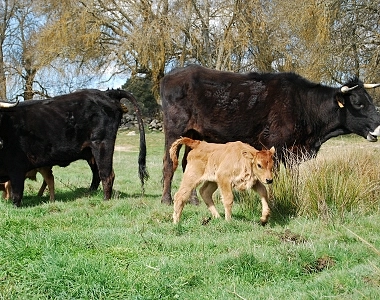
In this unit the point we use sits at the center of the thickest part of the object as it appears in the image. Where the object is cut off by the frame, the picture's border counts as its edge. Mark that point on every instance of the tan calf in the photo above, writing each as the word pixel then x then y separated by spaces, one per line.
pixel 47 175
pixel 234 165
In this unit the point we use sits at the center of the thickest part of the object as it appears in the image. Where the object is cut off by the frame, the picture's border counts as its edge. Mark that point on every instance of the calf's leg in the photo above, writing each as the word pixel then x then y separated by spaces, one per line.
pixel 189 182
pixel 193 196
pixel 180 199
pixel 206 191
pixel 47 174
pixel 262 191
pixel 7 190
pixel 42 189
pixel 227 197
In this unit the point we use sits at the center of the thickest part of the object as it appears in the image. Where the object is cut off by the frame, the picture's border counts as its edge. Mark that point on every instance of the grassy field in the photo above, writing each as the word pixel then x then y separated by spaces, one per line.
pixel 322 241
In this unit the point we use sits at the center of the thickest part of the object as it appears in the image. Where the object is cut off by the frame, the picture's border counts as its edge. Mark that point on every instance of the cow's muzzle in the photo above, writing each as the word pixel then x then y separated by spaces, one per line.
pixel 371 138
pixel 269 181
pixel 372 135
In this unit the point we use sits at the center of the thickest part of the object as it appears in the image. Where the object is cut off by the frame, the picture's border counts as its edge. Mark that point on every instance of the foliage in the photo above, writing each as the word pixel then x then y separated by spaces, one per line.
pixel 81 247
pixel 141 88
pixel 326 41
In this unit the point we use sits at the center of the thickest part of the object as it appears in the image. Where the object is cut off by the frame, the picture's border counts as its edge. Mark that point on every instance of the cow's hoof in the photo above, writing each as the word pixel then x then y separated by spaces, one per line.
pixel 167 201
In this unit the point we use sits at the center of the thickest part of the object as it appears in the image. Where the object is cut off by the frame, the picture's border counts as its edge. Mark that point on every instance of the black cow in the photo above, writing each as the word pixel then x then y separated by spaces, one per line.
pixel 282 110
pixel 63 129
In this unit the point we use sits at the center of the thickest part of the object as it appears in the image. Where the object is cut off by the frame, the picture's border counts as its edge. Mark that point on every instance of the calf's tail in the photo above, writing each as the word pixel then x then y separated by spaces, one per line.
pixel 119 94
pixel 174 151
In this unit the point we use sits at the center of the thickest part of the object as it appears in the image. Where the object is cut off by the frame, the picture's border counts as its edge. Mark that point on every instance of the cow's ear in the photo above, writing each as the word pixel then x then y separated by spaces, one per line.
pixel 247 154
pixel 340 101
pixel 272 150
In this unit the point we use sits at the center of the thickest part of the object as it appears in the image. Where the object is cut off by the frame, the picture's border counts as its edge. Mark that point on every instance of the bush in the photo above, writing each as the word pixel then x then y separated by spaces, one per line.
pixel 328 186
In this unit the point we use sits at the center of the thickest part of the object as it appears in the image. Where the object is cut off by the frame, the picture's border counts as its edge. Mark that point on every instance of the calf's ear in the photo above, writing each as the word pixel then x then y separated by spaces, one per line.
pixel 272 150
pixel 247 154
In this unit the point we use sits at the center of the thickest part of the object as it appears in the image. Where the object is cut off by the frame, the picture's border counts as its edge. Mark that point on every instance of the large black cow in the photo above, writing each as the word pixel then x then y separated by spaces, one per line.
pixel 60 130
pixel 282 110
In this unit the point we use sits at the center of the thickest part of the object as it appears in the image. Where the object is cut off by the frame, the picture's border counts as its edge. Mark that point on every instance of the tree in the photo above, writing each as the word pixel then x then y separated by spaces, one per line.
pixel 322 40
pixel 7 10
pixel 330 40
pixel 19 60
pixel 141 88
pixel 152 36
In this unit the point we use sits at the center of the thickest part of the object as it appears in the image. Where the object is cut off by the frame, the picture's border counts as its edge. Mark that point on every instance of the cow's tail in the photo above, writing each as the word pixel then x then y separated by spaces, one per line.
pixel 174 151
pixel 119 94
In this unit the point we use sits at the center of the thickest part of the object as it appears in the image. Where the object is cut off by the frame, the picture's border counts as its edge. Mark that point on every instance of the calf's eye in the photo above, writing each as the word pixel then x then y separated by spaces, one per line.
pixel 259 166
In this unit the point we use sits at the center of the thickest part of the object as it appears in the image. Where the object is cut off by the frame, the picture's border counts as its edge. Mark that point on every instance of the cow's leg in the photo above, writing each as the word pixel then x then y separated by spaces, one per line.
pixel 103 155
pixel 167 172
pixel 95 174
pixel 262 191
pixel 206 191
pixel 107 183
pixel 227 197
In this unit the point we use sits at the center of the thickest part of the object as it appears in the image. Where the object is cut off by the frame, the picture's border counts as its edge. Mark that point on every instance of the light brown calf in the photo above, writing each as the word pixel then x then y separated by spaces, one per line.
pixel 234 165
pixel 47 175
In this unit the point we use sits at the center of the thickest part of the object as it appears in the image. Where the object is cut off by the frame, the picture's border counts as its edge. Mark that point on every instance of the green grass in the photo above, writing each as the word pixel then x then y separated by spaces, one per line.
pixel 82 247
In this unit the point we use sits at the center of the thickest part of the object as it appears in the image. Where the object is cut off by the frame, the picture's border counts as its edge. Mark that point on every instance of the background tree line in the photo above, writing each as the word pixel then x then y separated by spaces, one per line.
pixel 50 47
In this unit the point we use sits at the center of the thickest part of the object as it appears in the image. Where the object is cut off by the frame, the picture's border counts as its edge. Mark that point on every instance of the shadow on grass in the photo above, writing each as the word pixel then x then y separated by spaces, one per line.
pixel 275 218
pixel 118 194
pixel 66 196
pixel 72 195
pixel 282 214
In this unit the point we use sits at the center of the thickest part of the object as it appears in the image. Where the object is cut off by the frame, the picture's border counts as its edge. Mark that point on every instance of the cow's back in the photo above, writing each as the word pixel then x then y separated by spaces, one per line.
pixel 57 130
pixel 221 106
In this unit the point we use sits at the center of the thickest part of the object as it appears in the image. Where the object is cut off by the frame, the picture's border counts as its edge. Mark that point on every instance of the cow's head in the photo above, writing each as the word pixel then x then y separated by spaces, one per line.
pixel 5 105
pixel 262 164
pixel 360 115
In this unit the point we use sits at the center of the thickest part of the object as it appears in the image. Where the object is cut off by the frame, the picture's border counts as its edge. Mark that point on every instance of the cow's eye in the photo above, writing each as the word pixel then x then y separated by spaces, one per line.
pixel 259 166
pixel 357 104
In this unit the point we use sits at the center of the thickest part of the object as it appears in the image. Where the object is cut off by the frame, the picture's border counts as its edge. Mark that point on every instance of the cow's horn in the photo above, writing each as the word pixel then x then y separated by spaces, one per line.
pixel 371 85
pixel 345 89
pixel 8 104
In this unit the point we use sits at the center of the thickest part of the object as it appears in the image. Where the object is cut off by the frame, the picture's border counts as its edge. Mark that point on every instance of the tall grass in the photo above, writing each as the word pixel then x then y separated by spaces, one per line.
pixel 338 181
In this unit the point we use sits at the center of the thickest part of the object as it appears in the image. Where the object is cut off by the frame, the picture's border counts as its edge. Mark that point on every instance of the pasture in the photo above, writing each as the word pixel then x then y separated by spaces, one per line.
pixel 322 240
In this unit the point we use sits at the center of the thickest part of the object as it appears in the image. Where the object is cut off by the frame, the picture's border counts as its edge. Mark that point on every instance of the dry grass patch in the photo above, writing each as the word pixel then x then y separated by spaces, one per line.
pixel 337 181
